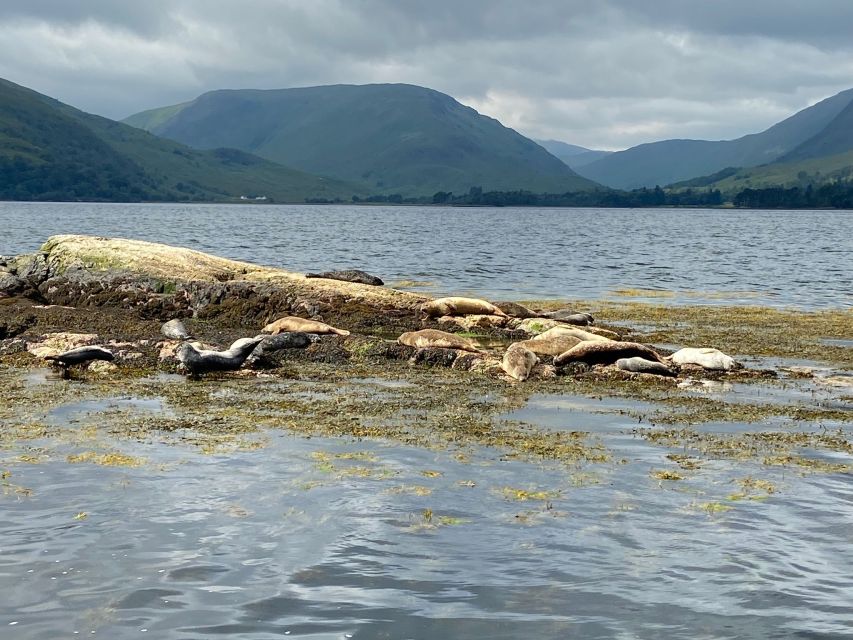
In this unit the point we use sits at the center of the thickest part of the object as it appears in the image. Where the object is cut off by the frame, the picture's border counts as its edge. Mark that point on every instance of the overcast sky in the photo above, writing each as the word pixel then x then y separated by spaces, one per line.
pixel 603 74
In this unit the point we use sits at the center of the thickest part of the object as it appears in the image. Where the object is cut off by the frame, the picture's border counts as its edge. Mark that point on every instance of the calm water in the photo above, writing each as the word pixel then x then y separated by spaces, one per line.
pixel 785 258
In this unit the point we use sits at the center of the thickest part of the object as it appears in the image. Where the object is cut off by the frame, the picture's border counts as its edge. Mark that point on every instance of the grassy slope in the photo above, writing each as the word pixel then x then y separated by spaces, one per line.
pixel 393 138
pixel 787 174
pixel 69 153
pixel 669 161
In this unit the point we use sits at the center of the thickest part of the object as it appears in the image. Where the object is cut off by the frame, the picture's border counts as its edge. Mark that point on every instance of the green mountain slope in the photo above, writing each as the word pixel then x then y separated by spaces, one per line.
pixel 668 161
pixel 836 138
pixel 392 138
pixel 571 154
pixel 51 151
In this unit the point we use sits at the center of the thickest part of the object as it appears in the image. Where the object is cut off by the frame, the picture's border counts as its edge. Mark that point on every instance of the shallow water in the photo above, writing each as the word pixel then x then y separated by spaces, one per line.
pixel 780 258
pixel 331 538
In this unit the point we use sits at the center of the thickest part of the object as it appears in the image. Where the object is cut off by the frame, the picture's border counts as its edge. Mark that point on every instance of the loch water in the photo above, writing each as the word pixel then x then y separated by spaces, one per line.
pixel 717 256
pixel 265 542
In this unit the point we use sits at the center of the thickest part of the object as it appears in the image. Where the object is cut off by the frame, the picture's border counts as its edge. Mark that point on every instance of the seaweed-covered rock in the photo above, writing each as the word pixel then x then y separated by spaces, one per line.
pixel 436 356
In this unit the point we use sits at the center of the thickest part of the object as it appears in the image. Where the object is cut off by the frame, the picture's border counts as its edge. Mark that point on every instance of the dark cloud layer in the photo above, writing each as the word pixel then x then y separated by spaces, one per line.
pixel 606 74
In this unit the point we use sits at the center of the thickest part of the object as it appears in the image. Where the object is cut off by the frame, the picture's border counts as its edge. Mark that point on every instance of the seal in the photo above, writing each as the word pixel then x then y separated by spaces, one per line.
pixel 568 316
pixel 518 361
pixel 458 306
pixel 349 275
pixel 433 338
pixel 641 365
pixel 706 358
pixel 580 334
pixel 198 361
pixel 175 330
pixel 552 346
pixel 81 355
pixel 302 325
pixel 265 354
pixel 516 310
pixel 596 352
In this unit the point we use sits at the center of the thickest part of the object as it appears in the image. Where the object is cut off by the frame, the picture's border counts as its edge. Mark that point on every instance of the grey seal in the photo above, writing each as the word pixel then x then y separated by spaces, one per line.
pixel 641 365
pixel 569 317
pixel 605 352
pixel 80 355
pixel 175 330
pixel 266 353
pixel 518 361
pixel 349 275
pixel 198 361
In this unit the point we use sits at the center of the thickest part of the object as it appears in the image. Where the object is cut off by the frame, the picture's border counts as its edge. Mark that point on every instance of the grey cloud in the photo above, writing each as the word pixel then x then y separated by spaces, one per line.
pixel 606 74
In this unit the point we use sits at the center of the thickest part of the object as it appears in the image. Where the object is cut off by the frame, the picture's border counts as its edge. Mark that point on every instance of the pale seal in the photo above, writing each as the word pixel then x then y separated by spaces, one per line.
pixel 580 334
pixel 302 325
pixel 458 306
pixel 518 361
pixel 552 346
pixel 198 361
pixel 595 352
pixel 706 358
pixel 349 275
pixel 568 316
pixel 175 330
pixel 433 338
pixel 641 365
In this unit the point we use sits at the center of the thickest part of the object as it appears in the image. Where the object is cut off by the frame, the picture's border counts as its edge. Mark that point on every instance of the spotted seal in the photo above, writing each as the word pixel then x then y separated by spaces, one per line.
pixel 294 324
pixel 433 338
pixel 568 316
pixel 706 358
pixel 518 361
pixel 175 330
pixel 641 365
pixel 596 352
pixel 198 361
pixel 458 306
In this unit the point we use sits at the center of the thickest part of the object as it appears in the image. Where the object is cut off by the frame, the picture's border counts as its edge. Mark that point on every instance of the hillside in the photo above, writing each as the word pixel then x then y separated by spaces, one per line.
pixel 51 151
pixel 393 138
pixel 571 154
pixel 836 138
pixel 669 161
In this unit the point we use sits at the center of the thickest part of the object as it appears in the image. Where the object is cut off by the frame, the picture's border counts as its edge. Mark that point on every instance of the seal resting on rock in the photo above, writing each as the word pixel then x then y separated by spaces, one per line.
pixel 580 334
pixel 552 346
pixel 641 365
pixel 349 275
pixel 433 338
pixel 175 330
pixel 569 316
pixel 518 361
pixel 294 324
pixel 516 310
pixel 457 306
pixel 706 358
pixel 81 355
pixel 198 361
pixel 596 352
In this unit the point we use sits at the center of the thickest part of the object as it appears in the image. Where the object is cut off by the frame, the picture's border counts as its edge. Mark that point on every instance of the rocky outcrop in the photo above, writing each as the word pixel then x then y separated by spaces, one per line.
pixel 161 281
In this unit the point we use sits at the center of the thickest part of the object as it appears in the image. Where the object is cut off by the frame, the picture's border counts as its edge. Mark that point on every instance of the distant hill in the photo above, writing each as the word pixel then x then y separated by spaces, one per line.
pixel 669 161
pixel 393 138
pixel 51 151
pixel 836 138
pixel 571 154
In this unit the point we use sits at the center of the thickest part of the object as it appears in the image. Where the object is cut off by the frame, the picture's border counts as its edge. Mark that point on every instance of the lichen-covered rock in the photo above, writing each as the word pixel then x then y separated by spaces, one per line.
pixel 474 321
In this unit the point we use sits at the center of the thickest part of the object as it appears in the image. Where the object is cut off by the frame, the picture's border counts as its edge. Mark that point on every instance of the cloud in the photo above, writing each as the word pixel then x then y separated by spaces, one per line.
pixel 608 74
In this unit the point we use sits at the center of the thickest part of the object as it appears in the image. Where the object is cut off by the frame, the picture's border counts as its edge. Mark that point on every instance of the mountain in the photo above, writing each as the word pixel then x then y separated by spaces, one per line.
pixel 668 161
pixel 836 138
pixel 51 151
pixel 393 138
pixel 571 154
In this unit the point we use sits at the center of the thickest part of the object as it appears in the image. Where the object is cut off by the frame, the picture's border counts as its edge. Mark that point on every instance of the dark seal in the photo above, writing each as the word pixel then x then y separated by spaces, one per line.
pixel 349 275
pixel 199 361
pixel 80 355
